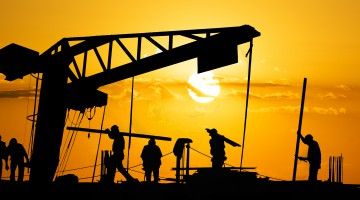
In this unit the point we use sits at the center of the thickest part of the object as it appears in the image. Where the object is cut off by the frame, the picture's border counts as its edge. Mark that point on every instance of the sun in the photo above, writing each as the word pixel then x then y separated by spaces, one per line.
pixel 203 88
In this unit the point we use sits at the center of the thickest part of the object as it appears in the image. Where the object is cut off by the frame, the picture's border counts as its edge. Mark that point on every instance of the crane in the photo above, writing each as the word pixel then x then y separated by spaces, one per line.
pixel 68 85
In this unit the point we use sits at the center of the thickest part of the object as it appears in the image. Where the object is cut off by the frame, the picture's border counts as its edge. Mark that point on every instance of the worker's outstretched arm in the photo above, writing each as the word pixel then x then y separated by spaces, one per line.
pixel 27 158
pixel 25 155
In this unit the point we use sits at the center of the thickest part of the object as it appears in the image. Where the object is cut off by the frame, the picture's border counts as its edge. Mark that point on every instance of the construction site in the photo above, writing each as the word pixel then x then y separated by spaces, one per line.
pixel 63 84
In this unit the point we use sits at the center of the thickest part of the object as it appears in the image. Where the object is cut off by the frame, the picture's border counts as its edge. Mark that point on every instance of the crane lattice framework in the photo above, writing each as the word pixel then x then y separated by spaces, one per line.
pixel 66 83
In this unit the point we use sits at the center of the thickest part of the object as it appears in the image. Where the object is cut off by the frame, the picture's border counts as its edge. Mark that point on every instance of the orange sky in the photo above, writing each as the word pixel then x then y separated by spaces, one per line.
pixel 300 39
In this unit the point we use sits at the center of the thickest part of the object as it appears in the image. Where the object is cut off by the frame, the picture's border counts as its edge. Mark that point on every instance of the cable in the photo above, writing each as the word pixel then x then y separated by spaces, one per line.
pixel 27 111
pixel 64 151
pixel 278 179
pixel 130 123
pixel 247 100
pixel 72 145
pixel 167 154
pixel 200 152
pixel 78 168
pixel 32 133
pixel 65 141
pixel 88 177
pixel 141 163
pixel 209 156
pixel 98 147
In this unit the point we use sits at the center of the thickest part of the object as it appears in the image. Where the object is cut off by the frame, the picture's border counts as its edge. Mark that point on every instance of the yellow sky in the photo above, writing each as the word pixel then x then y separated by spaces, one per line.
pixel 317 40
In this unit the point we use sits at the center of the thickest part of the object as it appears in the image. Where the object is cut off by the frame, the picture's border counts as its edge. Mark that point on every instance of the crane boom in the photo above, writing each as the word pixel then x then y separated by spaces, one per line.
pixel 66 84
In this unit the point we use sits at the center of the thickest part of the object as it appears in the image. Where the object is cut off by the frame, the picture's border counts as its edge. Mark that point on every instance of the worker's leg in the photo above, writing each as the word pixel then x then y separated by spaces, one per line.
pixel 313 173
pixel 122 170
pixel 12 171
pixel 147 175
pixel 0 168
pixel 21 172
pixel 217 163
pixel 156 174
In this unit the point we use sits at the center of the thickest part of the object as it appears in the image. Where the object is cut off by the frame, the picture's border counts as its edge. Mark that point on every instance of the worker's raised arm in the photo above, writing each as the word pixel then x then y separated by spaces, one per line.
pixel 301 137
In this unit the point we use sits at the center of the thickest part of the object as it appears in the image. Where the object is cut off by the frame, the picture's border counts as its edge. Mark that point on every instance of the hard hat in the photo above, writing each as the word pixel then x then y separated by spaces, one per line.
pixel 115 128
pixel 213 130
pixel 308 138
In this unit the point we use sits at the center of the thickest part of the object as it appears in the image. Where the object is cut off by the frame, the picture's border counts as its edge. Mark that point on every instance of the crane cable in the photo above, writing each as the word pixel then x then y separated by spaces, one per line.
pixel 67 135
pixel 32 117
pixel 97 151
pixel 73 142
pixel 66 154
pixel 65 148
pixel 247 100
pixel 207 155
pixel 130 125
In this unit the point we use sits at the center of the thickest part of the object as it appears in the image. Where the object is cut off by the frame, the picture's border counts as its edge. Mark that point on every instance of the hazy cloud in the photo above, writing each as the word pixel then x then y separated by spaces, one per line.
pixel 288 95
pixel 144 89
pixel 328 111
pixel 296 109
pixel 287 109
pixel 278 95
pixel 331 95
pixel 343 87
pixel 235 82
pixel 17 93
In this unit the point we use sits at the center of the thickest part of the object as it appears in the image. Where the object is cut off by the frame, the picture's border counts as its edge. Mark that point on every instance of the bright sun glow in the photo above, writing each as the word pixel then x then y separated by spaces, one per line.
pixel 203 88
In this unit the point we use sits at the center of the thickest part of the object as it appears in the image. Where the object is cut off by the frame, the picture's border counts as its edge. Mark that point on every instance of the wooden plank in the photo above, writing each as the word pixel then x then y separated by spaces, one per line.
pixel 210 168
pixel 122 133
pixel 231 142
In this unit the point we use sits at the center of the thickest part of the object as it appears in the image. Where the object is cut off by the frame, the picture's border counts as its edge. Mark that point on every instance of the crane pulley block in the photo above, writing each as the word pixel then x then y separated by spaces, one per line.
pixel 17 61
pixel 81 99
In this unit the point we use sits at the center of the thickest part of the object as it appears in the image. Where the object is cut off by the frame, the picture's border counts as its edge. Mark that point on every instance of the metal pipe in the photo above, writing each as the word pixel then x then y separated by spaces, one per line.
pixel 299 129
pixel 247 102
pixel 187 159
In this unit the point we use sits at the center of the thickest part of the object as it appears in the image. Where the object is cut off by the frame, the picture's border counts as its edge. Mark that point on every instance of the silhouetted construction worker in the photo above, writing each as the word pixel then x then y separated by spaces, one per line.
pixel 313 157
pixel 151 156
pixel 3 155
pixel 116 159
pixel 17 153
pixel 217 148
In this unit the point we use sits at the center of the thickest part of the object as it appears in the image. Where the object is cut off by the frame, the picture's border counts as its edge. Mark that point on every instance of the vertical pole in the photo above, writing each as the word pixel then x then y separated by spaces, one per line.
pixel 183 164
pixel 130 126
pixel 342 171
pixel 247 102
pixel 34 115
pixel 97 151
pixel 187 159
pixel 336 169
pixel 299 129
pixel 329 169
pixel 131 105
pixel 177 175
pixel 333 171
